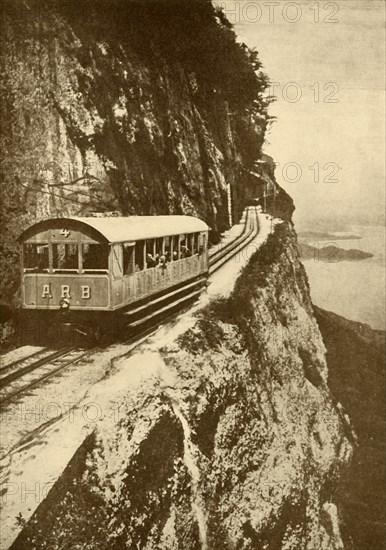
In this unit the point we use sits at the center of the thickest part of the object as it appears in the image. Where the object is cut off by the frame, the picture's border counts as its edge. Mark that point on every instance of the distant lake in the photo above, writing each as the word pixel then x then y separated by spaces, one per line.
pixel 355 290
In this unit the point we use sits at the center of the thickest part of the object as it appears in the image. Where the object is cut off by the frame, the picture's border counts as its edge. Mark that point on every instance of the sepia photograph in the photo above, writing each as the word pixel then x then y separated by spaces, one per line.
pixel 192 275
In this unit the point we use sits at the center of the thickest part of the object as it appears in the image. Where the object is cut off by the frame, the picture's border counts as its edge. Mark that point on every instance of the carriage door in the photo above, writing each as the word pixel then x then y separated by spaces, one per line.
pixel 117 275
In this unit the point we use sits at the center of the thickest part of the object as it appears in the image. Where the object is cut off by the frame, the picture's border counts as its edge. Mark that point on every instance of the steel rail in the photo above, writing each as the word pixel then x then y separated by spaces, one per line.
pixel 220 253
pixel 21 360
pixel 236 246
pixel 34 383
pixel 6 380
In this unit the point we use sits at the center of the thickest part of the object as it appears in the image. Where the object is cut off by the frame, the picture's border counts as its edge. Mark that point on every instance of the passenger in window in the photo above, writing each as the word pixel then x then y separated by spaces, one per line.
pixel 185 251
pixel 150 261
pixel 175 255
pixel 162 261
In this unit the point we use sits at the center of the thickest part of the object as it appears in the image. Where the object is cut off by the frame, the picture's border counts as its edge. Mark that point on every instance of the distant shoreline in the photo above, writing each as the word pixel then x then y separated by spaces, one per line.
pixel 324 236
pixel 331 253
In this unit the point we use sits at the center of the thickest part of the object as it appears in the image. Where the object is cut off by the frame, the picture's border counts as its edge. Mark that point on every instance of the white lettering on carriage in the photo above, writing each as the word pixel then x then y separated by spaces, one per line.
pixel 86 292
pixel 65 291
pixel 46 291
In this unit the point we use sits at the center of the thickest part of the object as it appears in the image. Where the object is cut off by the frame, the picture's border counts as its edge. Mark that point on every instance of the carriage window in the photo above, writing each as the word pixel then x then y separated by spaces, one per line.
pixel 191 243
pixel 139 250
pixel 168 249
pixel 185 246
pixel 159 247
pixel 175 255
pixel 35 257
pixel 128 259
pixel 65 256
pixel 203 243
pixel 195 243
pixel 182 246
pixel 95 257
pixel 150 246
pixel 150 254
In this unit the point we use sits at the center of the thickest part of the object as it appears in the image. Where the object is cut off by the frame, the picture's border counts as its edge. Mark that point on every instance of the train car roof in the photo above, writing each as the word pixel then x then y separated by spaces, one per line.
pixel 130 228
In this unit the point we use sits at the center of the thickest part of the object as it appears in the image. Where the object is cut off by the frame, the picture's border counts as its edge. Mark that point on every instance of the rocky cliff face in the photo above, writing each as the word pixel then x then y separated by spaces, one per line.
pixel 230 440
pixel 356 362
pixel 136 107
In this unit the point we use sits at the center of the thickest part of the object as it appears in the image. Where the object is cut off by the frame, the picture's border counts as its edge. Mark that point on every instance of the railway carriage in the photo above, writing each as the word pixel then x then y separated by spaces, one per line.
pixel 91 275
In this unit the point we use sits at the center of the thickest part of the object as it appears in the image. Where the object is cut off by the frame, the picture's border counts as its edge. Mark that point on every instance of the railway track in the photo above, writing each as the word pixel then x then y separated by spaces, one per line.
pixel 24 366
pixel 15 364
pixel 51 365
pixel 19 377
pixel 218 258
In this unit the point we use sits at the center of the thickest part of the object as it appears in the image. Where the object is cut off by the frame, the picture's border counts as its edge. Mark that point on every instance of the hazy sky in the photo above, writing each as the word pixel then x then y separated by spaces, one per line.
pixel 337 48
